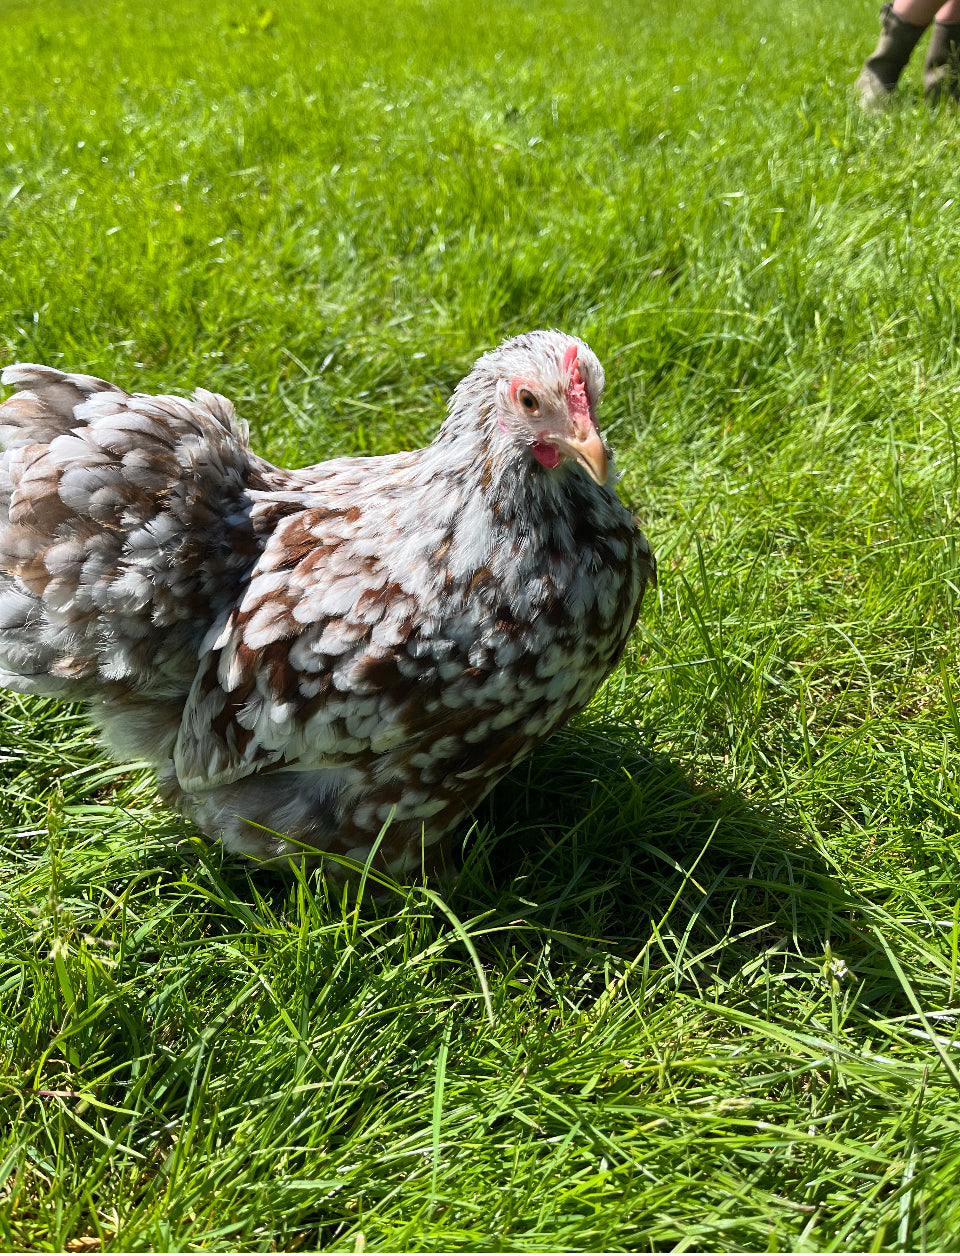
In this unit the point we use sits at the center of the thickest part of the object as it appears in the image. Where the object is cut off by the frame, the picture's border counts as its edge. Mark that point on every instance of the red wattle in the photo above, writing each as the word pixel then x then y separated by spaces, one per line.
pixel 546 455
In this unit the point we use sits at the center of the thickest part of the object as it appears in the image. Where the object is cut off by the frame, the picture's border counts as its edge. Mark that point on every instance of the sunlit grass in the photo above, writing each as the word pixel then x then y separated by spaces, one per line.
pixel 717 922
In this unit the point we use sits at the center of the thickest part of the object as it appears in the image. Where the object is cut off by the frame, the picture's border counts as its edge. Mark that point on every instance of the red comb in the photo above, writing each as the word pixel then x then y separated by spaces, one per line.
pixel 577 400
pixel 571 364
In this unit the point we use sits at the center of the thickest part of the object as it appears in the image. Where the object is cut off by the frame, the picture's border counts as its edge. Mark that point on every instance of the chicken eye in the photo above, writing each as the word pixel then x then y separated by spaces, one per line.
pixel 528 401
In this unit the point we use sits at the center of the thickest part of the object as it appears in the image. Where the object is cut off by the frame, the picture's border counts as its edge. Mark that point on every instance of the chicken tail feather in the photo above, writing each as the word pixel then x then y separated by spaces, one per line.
pixel 124 531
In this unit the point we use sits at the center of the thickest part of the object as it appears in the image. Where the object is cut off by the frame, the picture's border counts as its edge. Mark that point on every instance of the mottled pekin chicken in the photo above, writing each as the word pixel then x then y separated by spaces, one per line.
pixel 305 655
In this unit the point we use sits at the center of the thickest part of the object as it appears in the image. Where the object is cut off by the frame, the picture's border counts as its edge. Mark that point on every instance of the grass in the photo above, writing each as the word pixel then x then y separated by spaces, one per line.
pixel 697 987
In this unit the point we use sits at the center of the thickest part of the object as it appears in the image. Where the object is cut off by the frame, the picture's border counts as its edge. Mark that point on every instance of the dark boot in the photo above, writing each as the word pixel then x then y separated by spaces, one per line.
pixel 941 72
pixel 883 67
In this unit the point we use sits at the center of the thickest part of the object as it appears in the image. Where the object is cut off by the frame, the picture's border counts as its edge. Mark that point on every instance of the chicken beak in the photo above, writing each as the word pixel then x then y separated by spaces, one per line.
pixel 586 447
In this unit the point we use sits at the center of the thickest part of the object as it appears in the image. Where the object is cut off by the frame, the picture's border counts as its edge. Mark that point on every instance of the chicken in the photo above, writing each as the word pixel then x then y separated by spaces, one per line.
pixel 313 660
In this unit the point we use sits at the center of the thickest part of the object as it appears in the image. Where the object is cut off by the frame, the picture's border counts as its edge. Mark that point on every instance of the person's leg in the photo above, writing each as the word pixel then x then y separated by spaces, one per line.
pixel 904 21
pixel 918 12
pixel 941 71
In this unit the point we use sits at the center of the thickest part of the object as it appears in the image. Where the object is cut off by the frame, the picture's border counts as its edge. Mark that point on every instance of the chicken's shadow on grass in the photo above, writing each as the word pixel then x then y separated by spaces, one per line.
pixel 605 841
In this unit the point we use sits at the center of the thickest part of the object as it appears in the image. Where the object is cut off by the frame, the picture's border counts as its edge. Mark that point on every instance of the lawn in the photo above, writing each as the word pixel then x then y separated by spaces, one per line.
pixel 697 986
